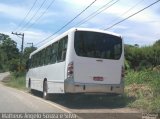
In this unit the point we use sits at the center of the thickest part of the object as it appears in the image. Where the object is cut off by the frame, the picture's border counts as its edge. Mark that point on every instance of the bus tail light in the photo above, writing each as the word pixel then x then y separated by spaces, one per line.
pixel 122 72
pixel 70 70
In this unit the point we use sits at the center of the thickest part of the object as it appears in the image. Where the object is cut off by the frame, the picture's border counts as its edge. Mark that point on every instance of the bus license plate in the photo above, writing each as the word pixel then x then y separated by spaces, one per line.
pixel 98 78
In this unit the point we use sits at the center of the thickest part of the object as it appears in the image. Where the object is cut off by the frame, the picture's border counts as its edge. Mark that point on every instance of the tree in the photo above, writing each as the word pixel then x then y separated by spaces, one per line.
pixel 143 57
pixel 28 51
pixel 10 48
pixel 157 43
pixel 8 51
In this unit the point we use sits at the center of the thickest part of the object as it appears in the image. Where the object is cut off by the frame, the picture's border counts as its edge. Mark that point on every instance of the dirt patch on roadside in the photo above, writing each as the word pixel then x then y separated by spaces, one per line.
pixel 135 90
pixel 5 77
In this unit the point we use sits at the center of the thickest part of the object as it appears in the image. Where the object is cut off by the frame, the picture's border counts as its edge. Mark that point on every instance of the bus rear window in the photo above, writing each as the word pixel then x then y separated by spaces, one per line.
pixel 97 45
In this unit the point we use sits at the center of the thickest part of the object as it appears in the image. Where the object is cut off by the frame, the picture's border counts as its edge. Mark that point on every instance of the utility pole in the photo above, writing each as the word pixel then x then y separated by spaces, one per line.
pixel 22 36
pixel 30 44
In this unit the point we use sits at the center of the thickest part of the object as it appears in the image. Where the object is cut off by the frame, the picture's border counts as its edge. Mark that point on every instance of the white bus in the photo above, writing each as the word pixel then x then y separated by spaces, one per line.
pixel 78 61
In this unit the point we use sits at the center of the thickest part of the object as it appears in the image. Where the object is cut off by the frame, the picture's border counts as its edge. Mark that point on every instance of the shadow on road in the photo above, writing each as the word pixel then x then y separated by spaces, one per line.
pixel 93 101
pixel 89 101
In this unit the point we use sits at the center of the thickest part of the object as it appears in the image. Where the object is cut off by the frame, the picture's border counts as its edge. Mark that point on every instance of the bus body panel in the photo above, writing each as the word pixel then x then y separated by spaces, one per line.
pixel 54 74
pixel 87 69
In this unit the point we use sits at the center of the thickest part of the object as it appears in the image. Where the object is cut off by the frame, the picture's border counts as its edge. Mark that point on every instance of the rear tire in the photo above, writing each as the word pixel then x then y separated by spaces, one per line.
pixel 45 90
pixel 29 86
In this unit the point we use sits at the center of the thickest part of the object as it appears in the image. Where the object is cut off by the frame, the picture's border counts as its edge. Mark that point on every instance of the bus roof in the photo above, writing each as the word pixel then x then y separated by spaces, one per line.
pixel 67 32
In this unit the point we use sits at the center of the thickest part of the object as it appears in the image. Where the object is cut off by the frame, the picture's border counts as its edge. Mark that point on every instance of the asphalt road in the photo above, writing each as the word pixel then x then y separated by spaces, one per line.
pixel 94 107
pixel 12 100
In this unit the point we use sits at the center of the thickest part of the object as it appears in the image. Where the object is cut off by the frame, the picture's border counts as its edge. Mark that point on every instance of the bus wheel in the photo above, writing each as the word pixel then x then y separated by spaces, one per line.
pixel 29 86
pixel 45 90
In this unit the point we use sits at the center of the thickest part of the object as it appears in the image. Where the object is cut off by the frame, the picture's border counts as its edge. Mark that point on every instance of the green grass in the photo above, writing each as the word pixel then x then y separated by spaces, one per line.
pixel 144 86
pixel 17 80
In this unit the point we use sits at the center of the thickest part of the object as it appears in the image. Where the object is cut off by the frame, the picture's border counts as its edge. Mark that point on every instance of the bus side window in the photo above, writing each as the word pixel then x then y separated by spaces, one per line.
pixel 62 48
pixel 43 57
pixel 59 51
pixel 28 64
pixel 47 57
pixel 39 60
pixel 33 61
pixel 53 56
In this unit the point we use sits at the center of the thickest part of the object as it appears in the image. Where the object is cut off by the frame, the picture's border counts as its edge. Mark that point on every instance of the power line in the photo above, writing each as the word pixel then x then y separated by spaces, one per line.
pixel 68 22
pixel 126 11
pixel 26 15
pixel 96 13
pixel 132 15
pixel 50 4
pixel 34 15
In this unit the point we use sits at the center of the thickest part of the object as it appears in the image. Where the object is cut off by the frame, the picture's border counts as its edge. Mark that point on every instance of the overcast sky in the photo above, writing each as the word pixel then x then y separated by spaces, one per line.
pixel 142 29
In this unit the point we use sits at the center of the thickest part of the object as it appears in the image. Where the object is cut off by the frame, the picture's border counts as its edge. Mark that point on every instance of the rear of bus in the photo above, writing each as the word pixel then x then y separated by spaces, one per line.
pixel 95 63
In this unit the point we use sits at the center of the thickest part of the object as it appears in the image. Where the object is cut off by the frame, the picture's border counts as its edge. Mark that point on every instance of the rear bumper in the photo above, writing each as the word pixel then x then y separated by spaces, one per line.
pixel 71 87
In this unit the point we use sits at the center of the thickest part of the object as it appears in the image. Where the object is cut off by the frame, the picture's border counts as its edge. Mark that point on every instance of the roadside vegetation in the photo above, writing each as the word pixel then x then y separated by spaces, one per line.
pixel 10 55
pixel 16 80
pixel 144 87
pixel 12 60
pixel 142 80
